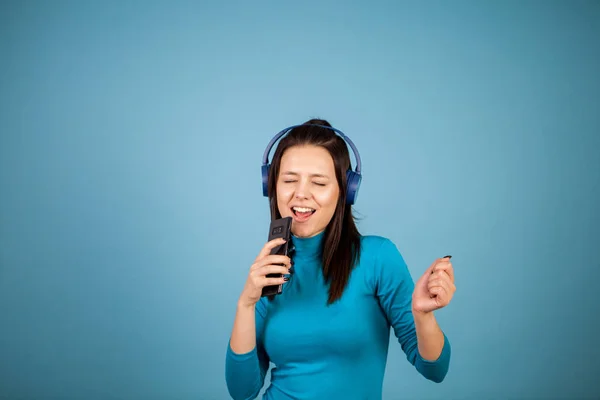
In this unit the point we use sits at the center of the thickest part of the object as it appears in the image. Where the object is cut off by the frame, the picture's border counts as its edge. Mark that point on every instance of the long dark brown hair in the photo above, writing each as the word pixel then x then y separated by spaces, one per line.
pixel 341 247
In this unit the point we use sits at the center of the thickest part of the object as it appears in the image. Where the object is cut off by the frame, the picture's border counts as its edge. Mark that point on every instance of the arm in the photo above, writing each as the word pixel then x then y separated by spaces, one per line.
pixel 430 337
pixel 425 345
pixel 246 362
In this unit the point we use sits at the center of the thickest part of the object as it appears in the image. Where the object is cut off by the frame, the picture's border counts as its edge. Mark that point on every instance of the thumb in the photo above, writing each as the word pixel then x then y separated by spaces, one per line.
pixel 429 271
pixel 422 281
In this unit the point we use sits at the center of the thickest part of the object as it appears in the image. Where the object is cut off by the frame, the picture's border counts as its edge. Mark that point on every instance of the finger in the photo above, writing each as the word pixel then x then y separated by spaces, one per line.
pixel 427 273
pixel 444 264
pixel 273 281
pixel 271 259
pixel 442 274
pixel 276 259
pixel 435 283
pixel 435 264
pixel 439 265
pixel 272 269
pixel 440 295
pixel 270 245
pixel 441 282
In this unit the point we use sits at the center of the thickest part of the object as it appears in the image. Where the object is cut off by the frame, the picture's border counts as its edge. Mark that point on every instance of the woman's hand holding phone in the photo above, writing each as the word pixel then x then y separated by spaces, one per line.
pixel 265 263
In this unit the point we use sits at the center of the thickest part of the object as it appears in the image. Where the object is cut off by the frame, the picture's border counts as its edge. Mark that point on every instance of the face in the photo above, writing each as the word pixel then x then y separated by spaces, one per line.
pixel 307 189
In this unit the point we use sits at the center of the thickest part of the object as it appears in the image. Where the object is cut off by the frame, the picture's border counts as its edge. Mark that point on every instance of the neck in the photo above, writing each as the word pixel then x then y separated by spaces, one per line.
pixel 308 247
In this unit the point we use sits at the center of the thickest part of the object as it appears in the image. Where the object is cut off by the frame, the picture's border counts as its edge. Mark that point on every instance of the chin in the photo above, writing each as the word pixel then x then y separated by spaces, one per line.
pixel 299 231
pixel 302 232
pixel 305 231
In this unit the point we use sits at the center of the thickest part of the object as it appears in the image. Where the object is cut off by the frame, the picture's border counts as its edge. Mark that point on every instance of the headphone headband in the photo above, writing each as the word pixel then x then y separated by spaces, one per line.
pixel 353 178
pixel 265 159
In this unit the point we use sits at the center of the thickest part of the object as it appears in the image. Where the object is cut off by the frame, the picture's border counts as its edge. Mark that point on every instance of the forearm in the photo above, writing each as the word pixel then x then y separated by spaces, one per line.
pixel 246 364
pixel 430 338
pixel 243 335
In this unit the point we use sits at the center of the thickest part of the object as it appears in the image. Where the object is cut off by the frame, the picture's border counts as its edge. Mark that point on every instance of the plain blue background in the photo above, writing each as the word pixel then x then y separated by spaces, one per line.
pixel 131 207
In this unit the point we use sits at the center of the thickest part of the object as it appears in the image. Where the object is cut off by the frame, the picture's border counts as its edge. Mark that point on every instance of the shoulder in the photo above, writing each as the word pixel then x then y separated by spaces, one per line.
pixel 382 263
pixel 379 253
pixel 378 246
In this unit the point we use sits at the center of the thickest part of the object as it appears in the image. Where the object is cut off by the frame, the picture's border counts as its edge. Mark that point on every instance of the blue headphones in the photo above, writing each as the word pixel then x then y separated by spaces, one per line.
pixel 353 178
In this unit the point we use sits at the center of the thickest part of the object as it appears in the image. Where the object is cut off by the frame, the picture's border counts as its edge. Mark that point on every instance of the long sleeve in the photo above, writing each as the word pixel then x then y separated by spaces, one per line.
pixel 394 288
pixel 245 373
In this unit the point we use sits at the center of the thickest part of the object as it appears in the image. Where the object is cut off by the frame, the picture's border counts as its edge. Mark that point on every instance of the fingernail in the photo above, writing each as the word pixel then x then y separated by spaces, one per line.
pixel 286 279
pixel 447 257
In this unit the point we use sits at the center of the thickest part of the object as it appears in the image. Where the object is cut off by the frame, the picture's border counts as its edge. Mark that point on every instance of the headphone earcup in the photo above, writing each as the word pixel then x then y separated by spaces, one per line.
pixel 265 179
pixel 353 180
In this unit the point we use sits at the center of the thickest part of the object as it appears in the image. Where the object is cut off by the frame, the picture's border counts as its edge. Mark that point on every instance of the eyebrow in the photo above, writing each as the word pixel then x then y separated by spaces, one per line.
pixel 312 175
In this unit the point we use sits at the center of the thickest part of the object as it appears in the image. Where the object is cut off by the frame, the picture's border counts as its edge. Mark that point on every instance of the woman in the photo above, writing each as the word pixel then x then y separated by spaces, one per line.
pixel 327 334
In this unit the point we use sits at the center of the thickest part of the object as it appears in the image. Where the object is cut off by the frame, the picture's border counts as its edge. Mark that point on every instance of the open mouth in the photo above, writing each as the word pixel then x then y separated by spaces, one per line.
pixel 303 213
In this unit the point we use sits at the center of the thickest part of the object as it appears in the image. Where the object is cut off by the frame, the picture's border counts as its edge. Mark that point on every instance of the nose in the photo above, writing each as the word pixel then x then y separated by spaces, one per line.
pixel 302 190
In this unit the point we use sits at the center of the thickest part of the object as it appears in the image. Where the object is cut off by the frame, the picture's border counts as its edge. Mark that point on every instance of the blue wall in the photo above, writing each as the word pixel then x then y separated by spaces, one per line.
pixel 131 208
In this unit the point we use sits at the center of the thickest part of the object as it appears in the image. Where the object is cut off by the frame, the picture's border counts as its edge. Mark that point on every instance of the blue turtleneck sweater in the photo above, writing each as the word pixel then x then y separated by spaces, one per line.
pixel 336 351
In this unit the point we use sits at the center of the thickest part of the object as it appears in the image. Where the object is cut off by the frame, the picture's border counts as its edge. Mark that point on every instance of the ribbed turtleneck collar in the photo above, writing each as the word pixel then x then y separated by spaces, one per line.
pixel 311 247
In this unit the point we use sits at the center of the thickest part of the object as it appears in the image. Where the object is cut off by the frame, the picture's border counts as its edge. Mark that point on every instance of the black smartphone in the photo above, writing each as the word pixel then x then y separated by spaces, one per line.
pixel 280 228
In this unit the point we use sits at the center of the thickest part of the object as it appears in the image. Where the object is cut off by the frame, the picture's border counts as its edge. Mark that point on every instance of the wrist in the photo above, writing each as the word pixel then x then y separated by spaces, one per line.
pixel 423 316
pixel 244 305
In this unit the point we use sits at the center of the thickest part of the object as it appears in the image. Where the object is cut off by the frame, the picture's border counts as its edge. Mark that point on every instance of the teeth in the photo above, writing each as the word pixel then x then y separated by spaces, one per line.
pixel 303 209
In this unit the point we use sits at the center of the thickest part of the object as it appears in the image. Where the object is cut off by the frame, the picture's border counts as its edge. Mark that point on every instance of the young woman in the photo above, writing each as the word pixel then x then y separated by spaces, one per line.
pixel 327 334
